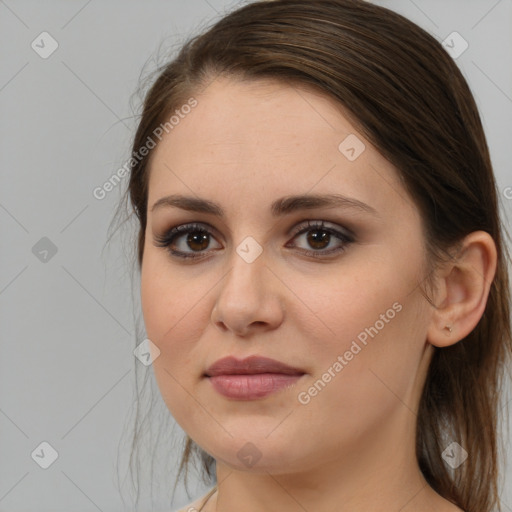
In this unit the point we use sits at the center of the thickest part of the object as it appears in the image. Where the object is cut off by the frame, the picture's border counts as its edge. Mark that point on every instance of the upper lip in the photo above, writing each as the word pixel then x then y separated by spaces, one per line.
pixel 251 365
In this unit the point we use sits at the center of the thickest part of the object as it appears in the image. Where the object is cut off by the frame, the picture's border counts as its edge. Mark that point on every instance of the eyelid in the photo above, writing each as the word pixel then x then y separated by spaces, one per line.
pixel 321 224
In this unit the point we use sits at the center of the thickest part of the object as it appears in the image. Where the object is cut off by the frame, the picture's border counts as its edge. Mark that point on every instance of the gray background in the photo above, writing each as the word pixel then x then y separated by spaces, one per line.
pixel 70 321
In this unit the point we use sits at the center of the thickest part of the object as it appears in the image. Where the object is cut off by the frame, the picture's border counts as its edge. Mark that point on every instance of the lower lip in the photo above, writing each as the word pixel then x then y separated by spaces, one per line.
pixel 251 387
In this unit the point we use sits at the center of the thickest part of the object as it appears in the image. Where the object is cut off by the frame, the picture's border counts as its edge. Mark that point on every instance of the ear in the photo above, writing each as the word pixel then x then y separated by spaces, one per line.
pixel 462 290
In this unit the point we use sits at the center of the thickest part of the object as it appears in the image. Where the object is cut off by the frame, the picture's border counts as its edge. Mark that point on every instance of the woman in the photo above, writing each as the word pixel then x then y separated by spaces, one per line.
pixel 323 274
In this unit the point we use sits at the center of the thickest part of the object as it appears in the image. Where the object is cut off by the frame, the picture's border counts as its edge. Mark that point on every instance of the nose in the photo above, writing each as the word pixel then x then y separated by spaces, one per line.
pixel 248 298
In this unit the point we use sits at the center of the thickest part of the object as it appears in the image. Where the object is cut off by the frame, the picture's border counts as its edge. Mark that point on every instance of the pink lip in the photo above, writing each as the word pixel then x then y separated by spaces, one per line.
pixel 250 378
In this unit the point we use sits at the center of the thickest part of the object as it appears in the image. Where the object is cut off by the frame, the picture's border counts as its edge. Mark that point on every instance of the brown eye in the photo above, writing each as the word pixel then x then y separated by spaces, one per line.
pixel 198 241
pixel 186 241
pixel 319 237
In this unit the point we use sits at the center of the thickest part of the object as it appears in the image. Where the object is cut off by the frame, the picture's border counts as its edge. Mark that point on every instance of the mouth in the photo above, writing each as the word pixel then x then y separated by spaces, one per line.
pixel 250 366
pixel 251 378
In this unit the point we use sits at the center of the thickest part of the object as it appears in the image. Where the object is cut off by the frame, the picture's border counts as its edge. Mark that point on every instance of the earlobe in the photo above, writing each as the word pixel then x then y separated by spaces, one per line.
pixel 463 290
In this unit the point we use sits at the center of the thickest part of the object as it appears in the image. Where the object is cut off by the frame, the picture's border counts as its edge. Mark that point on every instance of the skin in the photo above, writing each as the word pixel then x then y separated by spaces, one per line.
pixel 351 447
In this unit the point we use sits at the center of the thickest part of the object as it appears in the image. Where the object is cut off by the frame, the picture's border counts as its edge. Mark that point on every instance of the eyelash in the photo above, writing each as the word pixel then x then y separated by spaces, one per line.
pixel 170 236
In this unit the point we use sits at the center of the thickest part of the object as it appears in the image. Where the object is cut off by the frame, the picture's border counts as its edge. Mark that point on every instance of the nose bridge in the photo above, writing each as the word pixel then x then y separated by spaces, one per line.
pixel 247 295
pixel 247 269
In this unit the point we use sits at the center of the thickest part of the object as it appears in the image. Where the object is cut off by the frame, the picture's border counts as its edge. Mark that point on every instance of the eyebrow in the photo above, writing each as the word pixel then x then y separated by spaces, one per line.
pixel 282 206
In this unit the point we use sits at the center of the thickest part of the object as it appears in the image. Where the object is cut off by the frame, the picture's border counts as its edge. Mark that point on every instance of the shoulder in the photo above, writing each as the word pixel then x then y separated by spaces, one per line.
pixel 197 504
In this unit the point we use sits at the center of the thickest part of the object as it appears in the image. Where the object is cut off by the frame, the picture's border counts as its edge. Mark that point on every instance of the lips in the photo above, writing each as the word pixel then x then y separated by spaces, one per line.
pixel 252 378
pixel 250 366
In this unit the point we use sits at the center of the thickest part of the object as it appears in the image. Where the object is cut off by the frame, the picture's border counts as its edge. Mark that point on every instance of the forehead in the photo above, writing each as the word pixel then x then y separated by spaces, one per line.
pixel 265 139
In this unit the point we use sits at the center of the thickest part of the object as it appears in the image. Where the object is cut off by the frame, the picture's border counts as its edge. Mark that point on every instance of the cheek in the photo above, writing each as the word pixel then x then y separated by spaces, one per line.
pixel 370 316
pixel 346 302
pixel 351 397
pixel 175 312
pixel 170 298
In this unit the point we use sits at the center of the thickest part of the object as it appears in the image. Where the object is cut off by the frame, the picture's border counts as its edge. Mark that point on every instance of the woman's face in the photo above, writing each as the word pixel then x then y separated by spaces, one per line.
pixel 340 302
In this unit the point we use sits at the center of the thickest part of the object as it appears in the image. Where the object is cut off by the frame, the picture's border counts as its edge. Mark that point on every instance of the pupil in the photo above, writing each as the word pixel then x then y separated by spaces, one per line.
pixel 200 238
pixel 315 239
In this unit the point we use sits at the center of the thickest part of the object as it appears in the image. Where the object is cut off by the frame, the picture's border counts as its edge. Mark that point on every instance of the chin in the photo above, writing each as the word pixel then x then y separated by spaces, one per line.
pixel 256 453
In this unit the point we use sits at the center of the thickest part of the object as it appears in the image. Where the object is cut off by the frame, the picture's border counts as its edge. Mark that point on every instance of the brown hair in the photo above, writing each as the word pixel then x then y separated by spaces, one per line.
pixel 406 95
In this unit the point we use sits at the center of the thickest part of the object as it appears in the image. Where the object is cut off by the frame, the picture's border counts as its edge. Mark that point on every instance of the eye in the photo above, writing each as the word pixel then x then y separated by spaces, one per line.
pixel 319 237
pixel 197 238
